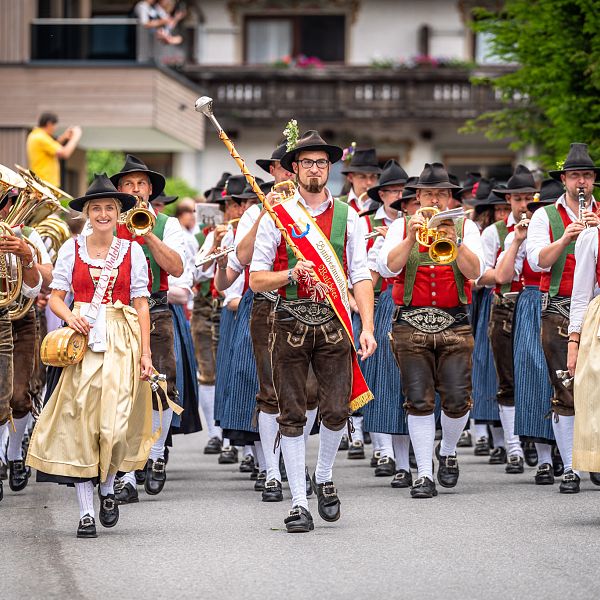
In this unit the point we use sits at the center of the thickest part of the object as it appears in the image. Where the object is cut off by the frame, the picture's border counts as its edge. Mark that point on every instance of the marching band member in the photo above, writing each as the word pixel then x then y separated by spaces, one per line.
pixel 96 423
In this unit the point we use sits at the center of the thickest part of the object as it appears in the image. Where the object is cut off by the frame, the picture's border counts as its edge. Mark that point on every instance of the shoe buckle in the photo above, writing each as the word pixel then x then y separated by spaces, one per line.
pixel 158 467
pixel 418 482
pixel 108 504
pixel 87 521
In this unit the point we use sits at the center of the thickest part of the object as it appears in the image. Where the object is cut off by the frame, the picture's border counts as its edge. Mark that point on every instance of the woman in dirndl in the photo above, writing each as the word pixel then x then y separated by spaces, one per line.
pixel 98 420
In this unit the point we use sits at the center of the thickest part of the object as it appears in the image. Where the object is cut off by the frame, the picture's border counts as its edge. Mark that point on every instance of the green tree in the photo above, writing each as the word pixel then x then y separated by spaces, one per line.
pixel 103 161
pixel 551 98
pixel 176 186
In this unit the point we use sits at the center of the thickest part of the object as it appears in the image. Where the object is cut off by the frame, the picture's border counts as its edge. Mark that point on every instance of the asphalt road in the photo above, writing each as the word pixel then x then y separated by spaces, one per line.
pixel 209 536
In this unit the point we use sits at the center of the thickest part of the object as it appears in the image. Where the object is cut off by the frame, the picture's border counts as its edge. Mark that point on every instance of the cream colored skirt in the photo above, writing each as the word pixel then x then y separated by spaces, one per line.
pixel 99 418
pixel 586 442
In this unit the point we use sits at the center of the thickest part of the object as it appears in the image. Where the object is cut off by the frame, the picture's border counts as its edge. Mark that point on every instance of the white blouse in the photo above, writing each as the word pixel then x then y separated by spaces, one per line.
pixel 62 275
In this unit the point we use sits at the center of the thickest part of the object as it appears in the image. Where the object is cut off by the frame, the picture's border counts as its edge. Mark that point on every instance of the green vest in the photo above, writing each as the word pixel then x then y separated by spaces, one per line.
pixel 418 259
pixel 502 233
pixel 158 231
pixel 558 228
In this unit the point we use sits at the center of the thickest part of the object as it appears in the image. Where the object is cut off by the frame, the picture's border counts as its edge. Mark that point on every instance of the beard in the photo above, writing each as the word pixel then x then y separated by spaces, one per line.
pixel 312 185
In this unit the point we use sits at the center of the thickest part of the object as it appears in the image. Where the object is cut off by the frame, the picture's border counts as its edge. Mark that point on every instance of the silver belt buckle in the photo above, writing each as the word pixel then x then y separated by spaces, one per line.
pixel 428 320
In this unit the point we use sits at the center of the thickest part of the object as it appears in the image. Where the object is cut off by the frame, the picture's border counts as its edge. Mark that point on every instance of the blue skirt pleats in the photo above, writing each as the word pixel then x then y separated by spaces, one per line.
pixel 226 325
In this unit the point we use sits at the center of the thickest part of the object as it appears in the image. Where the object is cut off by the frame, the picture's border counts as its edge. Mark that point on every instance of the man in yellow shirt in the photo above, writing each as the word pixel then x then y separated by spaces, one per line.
pixel 44 152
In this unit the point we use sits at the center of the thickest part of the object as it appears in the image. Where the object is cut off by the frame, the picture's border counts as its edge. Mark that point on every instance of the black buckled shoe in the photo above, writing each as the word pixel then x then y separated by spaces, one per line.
pixel 247 464
pixel 482 447
pixel 3 471
pixel 126 494
pixel 228 456
pixel 423 487
pixel 254 473
pixel 261 481
pixel 465 440
pixel 140 475
pixel 544 475
pixel 497 456
pixel 213 446
pixel 570 483
pixel 531 455
pixel 447 474
pixel 557 462
pixel 272 491
pixel 514 465
pixel 386 467
pixel 329 502
pixel 299 520
pixel 356 450
pixel 344 444
pixel 109 511
pixel 402 479
pixel 18 475
pixel 156 476
pixel 595 478
pixel 375 458
pixel 309 487
pixel 87 527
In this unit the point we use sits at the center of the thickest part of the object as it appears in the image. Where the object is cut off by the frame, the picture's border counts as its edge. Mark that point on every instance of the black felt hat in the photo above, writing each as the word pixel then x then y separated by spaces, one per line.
pixel 311 140
pixel 363 161
pixel 134 165
pixel 550 192
pixel 102 187
pixel 485 197
pixel 162 199
pixel 578 159
pixel 248 193
pixel 457 192
pixel 234 186
pixel 265 163
pixel 471 179
pixel 407 194
pixel 218 188
pixel 434 176
pixel 392 174
pixel 520 182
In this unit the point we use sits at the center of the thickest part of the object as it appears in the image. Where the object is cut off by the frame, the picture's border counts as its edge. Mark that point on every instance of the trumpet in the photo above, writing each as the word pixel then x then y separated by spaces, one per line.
pixel 442 250
pixel 139 220
pixel 204 260
pixel 581 201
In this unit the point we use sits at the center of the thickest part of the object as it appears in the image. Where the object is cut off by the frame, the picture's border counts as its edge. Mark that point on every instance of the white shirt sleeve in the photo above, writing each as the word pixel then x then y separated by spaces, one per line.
pixel 584 283
pixel 246 223
pixel 235 290
pixel 538 237
pixel 490 244
pixel 173 237
pixel 36 239
pixel 521 253
pixel 373 254
pixel 268 239
pixel 62 275
pixel 394 236
pixel 32 292
pixel 139 273
pixel 356 249
pixel 472 240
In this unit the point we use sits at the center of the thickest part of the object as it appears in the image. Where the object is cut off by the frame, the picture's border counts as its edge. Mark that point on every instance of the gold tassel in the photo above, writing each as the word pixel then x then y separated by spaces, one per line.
pixel 361 401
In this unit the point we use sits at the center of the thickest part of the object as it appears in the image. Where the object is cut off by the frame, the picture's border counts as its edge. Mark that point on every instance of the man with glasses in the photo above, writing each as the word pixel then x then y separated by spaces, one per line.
pixel 551 249
pixel 431 335
pixel 306 331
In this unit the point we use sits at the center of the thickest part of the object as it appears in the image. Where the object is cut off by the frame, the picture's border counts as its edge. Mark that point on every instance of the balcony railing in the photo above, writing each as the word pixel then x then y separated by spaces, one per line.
pixel 337 93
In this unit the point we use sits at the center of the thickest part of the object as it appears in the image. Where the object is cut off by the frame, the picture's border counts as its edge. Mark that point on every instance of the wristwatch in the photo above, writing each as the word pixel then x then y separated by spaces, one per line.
pixel 29 265
pixel 291 279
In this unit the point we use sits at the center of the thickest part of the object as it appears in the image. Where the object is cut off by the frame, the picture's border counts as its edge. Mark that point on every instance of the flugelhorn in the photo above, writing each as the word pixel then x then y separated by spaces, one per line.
pixel 442 250
pixel 139 220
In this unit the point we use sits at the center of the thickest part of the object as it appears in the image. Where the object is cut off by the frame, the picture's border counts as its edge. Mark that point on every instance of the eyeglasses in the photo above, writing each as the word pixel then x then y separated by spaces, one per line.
pixel 307 163
pixel 438 195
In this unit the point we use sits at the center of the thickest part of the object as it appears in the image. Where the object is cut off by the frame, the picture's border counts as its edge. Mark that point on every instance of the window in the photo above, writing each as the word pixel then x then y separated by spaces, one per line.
pixel 270 39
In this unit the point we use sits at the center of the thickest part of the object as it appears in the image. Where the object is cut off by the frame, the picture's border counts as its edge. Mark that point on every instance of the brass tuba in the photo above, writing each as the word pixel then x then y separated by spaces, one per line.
pixel 20 307
pixel 139 220
pixel 54 233
pixel 442 250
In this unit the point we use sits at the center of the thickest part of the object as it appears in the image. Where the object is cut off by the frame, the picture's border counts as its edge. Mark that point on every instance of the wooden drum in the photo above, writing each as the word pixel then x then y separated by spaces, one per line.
pixel 63 347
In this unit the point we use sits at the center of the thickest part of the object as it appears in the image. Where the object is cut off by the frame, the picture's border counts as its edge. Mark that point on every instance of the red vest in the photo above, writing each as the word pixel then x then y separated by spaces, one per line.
pixel 566 282
pixel 529 276
pixel 85 278
pixel 515 285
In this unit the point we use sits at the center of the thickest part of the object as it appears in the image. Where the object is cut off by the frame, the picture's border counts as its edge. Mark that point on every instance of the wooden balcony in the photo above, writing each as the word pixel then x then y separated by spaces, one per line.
pixel 260 95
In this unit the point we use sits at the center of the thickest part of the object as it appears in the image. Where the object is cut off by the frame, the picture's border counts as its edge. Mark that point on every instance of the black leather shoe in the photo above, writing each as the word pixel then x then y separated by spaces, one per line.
pixel 309 488
pixel 329 503
pixel 356 450
pixel 247 464
pixel 87 527
pixel 447 474
pixel 109 511
pixel 497 456
pixel 140 475
pixel 126 494
pixel 254 473
pixel 386 467
pixel 531 455
pixel 272 491
pixel 344 444
pixel 213 446
pixel 299 521
pixel 595 478
pixel 570 483
pixel 557 462
pixel 282 470
pixel 3 471
pixel 482 447
pixel 375 458
pixel 544 475
pixel 261 481
pixel 228 456
pixel 514 465
pixel 423 488
pixel 18 475
pixel 402 479
pixel 156 475
pixel 465 440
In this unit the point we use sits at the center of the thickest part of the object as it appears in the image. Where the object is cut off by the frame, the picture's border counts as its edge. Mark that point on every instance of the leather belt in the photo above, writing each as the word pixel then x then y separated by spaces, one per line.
pixel 558 305
pixel 429 319
pixel 266 296
pixel 158 301
pixel 306 311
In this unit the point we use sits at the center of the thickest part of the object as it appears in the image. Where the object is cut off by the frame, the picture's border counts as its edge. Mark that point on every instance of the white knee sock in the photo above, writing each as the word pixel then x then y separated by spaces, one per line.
pixel 294 450
pixel 544 452
pixel 158 449
pixel 311 415
pixel 108 486
pixel 563 432
pixel 422 436
pixel 386 445
pixel 451 431
pixel 248 450
pixel 226 442
pixel 206 397
pixel 512 441
pixel 268 428
pixel 481 430
pixel 497 436
pixel 376 441
pixel 357 422
pixel 401 445
pixel 3 441
pixel 85 497
pixel 129 478
pixel 260 456
pixel 15 439
pixel 329 442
